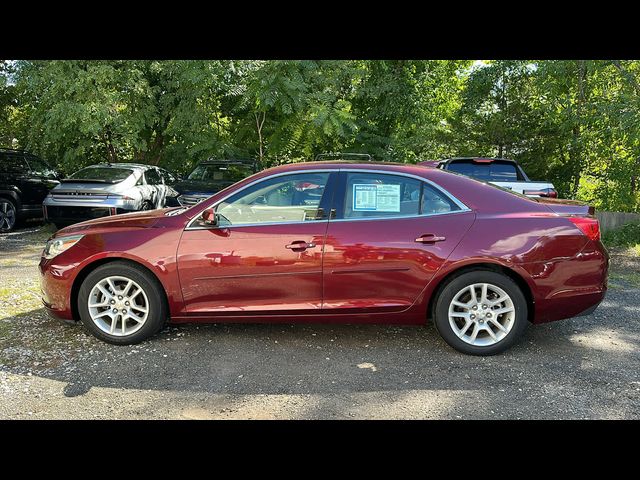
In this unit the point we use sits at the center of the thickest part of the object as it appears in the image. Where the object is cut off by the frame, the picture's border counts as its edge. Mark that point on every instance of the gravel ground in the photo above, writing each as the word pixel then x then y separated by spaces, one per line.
pixel 581 368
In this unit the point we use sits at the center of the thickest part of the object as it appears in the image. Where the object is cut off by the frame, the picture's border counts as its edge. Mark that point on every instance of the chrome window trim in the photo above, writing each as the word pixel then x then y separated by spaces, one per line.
pixel 399 217
pixel 463 208
pixel 269 224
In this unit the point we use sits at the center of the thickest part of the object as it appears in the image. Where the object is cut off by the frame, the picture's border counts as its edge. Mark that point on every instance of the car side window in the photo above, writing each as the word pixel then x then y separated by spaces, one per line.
pixel 375 195
pixel 435 201
pixel 13 163
pixel 152 176
pixel 167 177
pixel 40 168
pixel 287 198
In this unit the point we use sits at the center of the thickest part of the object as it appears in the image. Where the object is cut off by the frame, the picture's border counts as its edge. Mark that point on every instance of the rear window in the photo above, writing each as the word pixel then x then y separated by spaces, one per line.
pixel 495 171
pixel 106 174
pixel 221 173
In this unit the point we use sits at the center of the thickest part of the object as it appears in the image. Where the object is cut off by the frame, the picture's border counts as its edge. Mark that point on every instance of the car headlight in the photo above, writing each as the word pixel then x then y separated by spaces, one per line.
pixel 56 246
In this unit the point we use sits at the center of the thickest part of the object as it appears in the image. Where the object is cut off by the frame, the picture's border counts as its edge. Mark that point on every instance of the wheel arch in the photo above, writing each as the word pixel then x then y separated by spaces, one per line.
pixel 90 267
pixel 13 196
pixel 488 266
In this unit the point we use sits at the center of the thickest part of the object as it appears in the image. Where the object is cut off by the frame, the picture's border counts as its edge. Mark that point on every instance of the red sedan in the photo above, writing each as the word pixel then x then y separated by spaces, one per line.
pixel 335 242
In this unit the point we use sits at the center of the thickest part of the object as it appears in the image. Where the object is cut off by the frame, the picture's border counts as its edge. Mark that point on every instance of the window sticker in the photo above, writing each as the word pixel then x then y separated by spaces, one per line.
pixel 365 196
pixel 375 197
pixel 388 198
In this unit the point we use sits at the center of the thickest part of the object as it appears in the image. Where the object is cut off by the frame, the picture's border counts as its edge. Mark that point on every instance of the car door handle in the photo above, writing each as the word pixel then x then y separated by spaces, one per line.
pixel 429 238
pixel 299 245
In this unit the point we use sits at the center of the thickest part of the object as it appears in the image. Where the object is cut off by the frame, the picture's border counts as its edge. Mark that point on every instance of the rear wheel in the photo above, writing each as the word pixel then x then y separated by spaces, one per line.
pixel 121 303
pixel 8 215
pixel 481 313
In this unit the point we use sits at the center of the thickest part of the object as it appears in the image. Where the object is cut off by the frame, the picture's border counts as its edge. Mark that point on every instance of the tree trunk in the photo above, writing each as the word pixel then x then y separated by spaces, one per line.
pixel 578 163
pixel 112 151
pixel 156 149
pixel 634 176
pixel 259 124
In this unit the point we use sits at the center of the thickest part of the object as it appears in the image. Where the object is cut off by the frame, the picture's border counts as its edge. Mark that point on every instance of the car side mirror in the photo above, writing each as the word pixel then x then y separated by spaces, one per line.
pixel 209 217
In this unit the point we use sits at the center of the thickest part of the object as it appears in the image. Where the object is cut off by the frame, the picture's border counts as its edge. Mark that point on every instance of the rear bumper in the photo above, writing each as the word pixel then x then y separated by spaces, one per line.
pixel 570 287
pixel 68 214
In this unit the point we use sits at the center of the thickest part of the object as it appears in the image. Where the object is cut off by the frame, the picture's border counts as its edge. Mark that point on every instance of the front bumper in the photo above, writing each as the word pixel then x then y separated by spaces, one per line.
pixel 188 200
pixel 55 286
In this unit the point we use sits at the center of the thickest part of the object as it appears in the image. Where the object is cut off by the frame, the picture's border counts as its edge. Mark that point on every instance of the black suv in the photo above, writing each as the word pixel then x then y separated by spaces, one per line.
pixel 25 180
pixel 211 176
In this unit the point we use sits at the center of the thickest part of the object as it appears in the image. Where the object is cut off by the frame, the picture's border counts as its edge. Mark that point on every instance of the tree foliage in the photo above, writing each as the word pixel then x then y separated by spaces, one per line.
pixel 573 122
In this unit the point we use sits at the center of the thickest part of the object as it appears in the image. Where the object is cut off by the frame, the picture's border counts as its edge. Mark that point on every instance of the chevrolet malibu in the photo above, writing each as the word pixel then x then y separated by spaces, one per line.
pixel 339 242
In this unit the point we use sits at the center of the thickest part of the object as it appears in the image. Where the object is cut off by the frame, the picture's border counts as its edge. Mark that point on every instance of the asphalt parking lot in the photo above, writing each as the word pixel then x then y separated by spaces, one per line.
pixel 585 367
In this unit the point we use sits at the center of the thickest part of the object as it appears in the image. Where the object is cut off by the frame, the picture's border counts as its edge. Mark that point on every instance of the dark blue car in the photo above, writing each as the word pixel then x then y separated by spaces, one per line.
pixel 210 177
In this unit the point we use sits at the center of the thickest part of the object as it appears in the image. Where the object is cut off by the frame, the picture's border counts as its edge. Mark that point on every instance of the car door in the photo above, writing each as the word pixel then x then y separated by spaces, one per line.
pixel 39 179
pixel 265 254
pixel 170 196
pixel 152 192
pixel 391 234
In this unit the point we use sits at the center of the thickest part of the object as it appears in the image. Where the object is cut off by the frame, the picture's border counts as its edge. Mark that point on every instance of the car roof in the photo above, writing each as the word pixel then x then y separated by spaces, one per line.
pixel 212 161
pixel 123 165
pixel 337 164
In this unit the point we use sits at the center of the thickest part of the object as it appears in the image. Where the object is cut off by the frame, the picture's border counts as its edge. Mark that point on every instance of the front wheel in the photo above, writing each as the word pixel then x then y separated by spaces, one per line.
pixel 481 313
pixel 7 215
pixel 121 303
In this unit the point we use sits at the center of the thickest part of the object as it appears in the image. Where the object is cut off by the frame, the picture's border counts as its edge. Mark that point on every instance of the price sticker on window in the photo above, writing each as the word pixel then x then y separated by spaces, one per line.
pixel 376 198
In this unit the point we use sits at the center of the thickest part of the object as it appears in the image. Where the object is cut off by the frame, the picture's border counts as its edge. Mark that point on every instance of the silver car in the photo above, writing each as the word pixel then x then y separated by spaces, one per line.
pixel 108 189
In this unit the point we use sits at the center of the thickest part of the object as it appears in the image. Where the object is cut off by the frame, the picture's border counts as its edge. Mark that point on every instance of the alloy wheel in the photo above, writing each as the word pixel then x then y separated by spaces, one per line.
pixel 118 306
pixel 481 314
pixel 7 215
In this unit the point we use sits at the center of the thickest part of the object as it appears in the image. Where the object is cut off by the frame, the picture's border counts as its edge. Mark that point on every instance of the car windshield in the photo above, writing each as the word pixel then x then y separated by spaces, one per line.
pixel 495 171
pixel 220 173
pixel 105 174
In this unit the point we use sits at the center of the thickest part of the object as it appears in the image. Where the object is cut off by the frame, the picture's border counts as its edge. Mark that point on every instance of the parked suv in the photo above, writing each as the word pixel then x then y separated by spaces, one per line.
pixel 108 189
pixel 25 180
pixel 500 171
pixel 210 177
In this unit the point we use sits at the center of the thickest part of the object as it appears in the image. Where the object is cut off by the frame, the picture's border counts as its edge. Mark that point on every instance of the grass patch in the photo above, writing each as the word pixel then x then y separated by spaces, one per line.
pixel 627 236
pixel 17 298
pixel 616 279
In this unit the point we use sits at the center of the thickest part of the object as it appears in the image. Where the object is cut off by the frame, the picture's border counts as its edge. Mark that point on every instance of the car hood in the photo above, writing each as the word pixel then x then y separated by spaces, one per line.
pixel 146 219
pixel 201 186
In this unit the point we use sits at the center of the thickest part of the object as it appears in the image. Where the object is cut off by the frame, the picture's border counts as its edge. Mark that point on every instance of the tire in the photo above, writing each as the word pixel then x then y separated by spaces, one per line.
pixel 467 319
pixel 8 215
pixel 99 320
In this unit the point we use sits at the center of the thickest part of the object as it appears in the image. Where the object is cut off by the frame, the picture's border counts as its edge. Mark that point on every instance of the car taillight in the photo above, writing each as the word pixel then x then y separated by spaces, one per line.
pixel 543 192
pixel 589 226
pixel 120 197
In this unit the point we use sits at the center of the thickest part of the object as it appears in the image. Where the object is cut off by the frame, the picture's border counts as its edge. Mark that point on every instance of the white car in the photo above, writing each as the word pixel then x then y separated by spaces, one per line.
pixel 108 189
pixel 499 171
